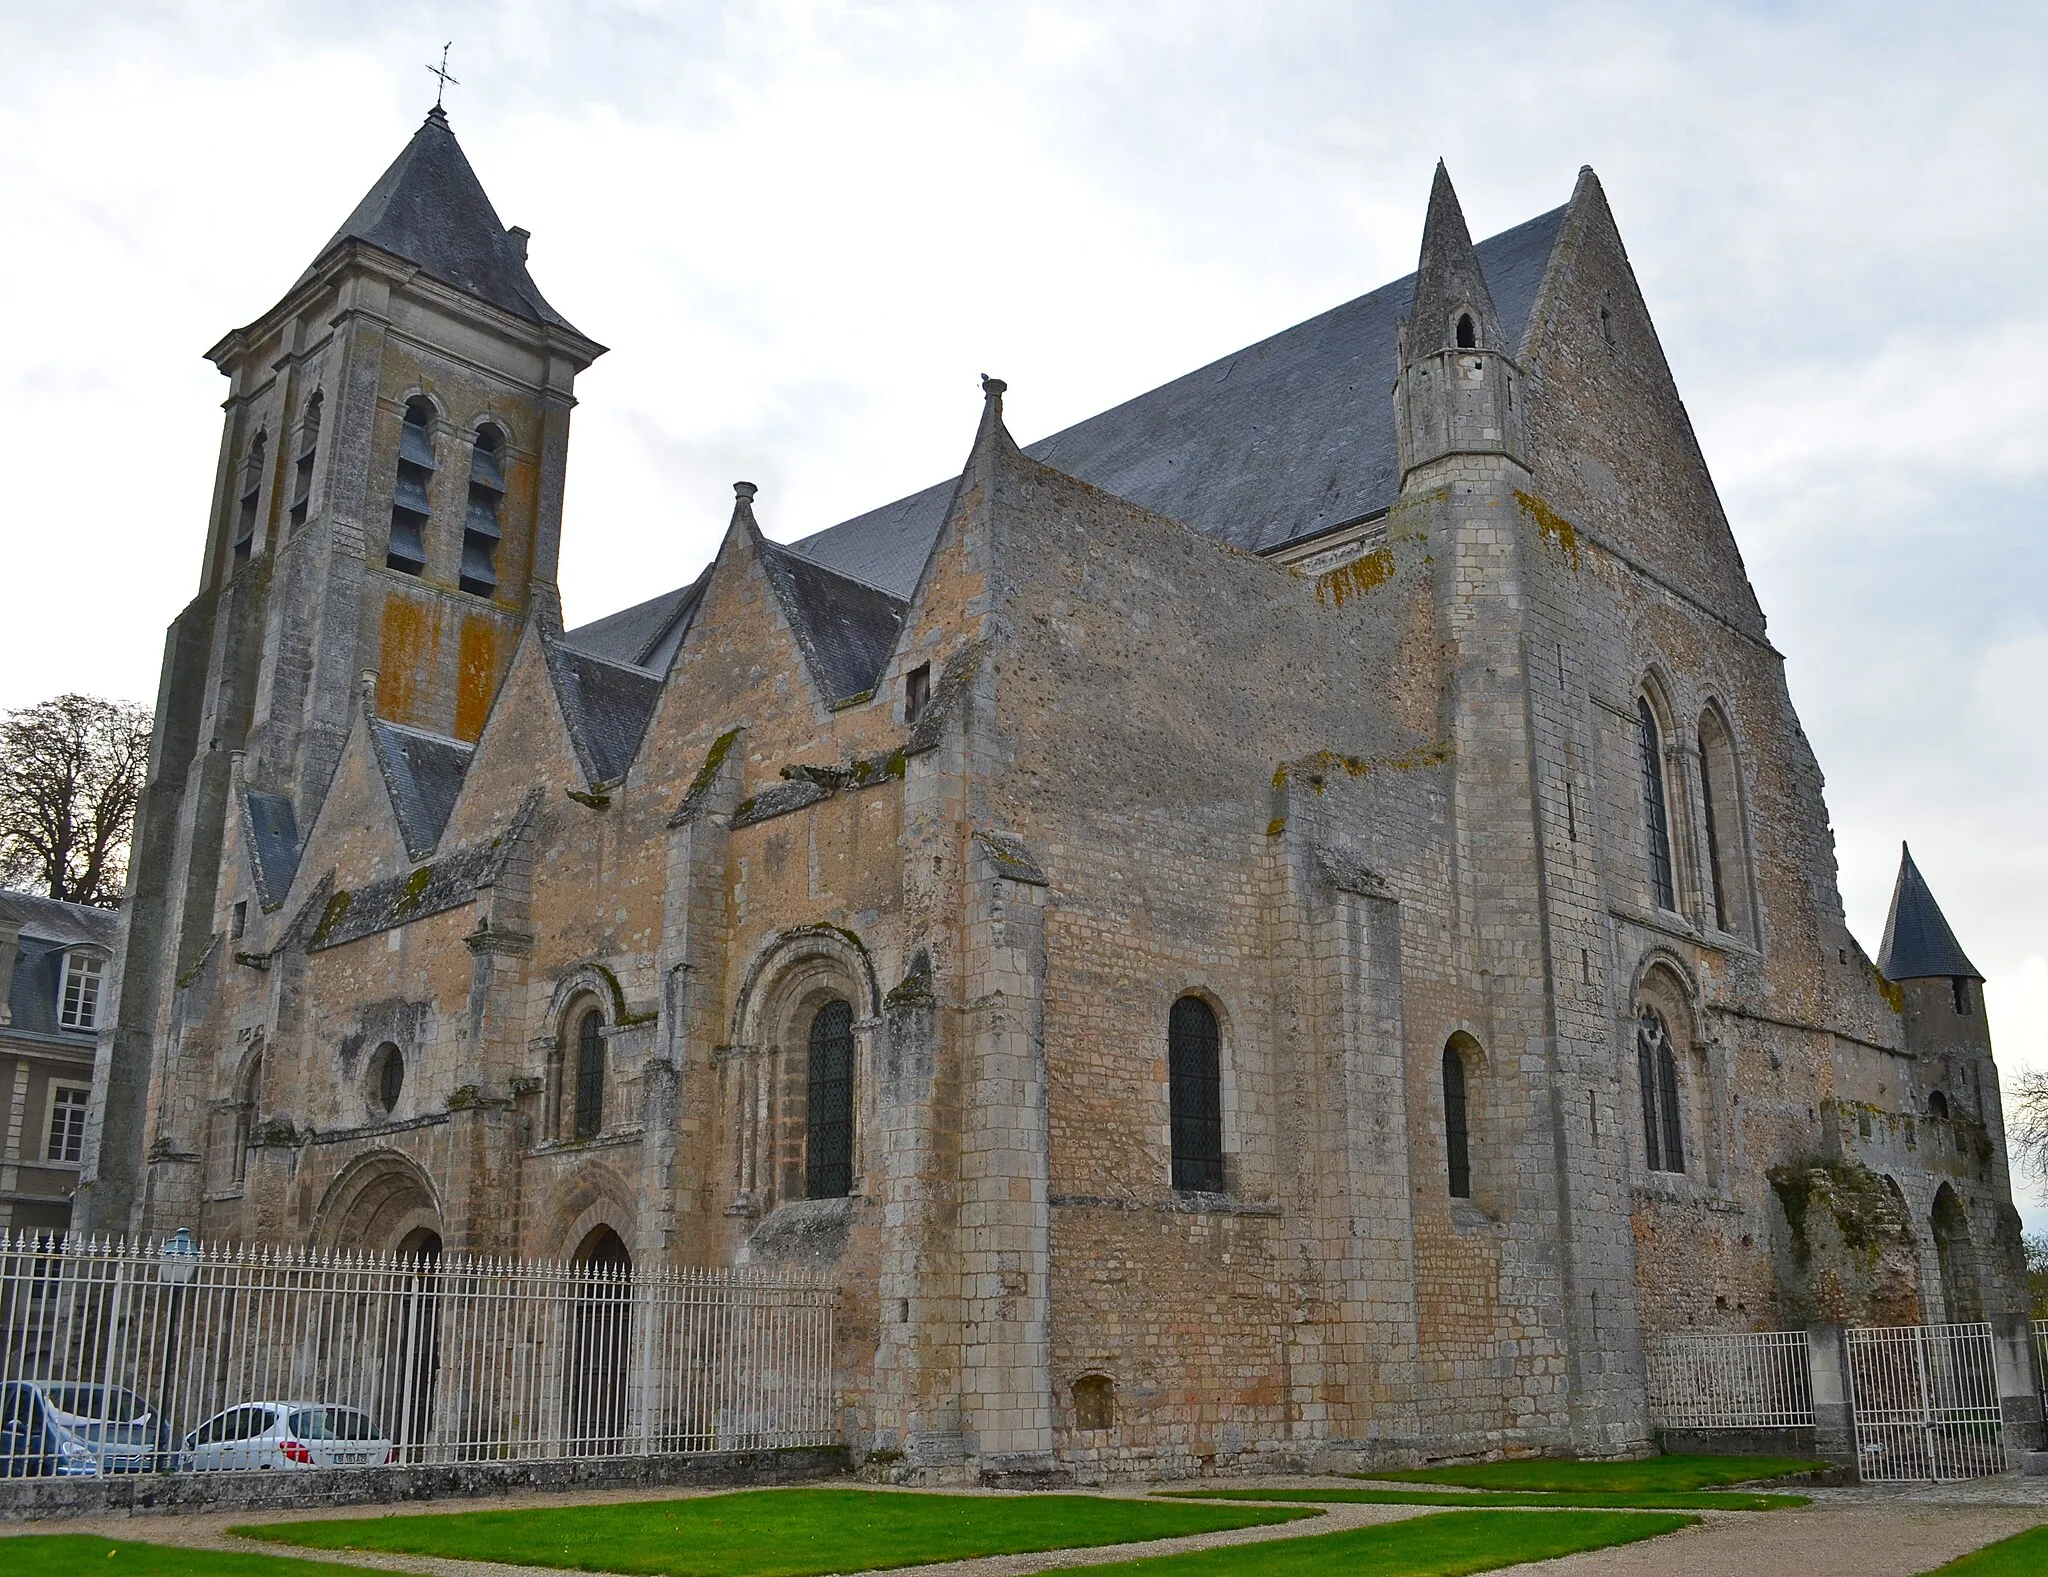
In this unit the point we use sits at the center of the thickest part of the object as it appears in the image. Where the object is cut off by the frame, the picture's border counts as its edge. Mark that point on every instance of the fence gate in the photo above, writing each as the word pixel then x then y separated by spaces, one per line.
pixel 1926 1402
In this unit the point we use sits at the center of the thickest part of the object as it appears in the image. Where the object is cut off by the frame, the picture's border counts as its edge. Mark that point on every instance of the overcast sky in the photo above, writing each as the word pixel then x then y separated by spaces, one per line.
pixel 804 229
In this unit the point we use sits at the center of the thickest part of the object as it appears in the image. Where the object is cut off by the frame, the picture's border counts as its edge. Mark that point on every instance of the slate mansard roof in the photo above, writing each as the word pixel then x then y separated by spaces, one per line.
pixel 1918 944
pixel 429 209
pixel 1285 439
pixel 50 929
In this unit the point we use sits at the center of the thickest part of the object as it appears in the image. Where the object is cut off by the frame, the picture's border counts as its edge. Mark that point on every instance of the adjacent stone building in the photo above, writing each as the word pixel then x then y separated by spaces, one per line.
pixel 55 972
pixel 1291 921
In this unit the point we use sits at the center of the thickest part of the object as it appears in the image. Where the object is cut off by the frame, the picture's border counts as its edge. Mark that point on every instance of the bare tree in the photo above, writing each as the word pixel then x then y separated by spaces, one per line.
pixel 2026 1122
pixel 71 771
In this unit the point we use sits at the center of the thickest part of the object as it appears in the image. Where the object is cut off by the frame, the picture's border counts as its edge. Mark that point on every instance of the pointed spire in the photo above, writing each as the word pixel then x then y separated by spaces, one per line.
pixel 1918 944
pixel 429 209
pixel 1449 285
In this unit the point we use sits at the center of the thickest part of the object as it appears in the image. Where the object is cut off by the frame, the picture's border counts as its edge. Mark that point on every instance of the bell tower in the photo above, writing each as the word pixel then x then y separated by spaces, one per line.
pixel 388 498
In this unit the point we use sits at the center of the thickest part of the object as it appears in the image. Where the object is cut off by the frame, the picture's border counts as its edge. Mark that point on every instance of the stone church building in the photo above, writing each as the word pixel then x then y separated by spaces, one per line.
pixel 1292 921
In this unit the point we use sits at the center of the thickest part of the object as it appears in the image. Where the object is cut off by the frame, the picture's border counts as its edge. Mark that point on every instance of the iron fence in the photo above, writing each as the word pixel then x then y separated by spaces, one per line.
pixel 1926 1402
pixel 2041 1357
pixel 1740 1380
pixel 452 1358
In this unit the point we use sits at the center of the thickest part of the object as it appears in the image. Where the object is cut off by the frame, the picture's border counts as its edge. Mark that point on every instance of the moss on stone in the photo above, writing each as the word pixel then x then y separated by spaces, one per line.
pixel 1554 527
pixel 721 747
pixel 1336 587
pixel 336 910
pixel 413 893
pixel 1864 1209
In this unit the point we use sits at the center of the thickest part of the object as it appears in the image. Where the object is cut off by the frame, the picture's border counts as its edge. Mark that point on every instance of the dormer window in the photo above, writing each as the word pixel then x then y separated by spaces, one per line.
pixel 78 999
pixel 408 550
pixel 245 508
pixel 302 467
pixel 480 530
pixel 1468 334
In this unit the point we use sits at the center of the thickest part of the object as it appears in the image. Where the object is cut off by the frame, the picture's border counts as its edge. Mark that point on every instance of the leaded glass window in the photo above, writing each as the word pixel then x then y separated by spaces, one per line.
pixel 1656 816
pixel 1194 1053
pixel 1657 1074
pixel 828 1148
pixel 590 1075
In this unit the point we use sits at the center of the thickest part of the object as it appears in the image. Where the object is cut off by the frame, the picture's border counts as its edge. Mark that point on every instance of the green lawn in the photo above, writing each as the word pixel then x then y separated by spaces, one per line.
pixel 1697 1500
pixel 80 1555
pixel 1655 1475
pixel 2022 1555
pixel 774 1532
pixel 1447 1544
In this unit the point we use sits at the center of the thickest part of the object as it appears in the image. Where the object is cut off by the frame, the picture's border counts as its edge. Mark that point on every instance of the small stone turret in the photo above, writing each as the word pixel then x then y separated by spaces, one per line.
pixel 1455 392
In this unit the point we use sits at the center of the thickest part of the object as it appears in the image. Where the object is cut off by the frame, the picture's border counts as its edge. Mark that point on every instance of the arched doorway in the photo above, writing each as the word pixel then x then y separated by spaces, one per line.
pixel 1962 1300
pixel 415 1344
pixel 595 1394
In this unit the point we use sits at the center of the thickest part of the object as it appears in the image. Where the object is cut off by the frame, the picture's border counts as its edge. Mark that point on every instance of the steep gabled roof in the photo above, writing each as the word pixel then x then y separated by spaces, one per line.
pixel 645 635
pixel 429 209
pixel 846 628
pixel 606 705
pixel 57 921
pixel 1285 439
pixel 1918 943
pixel 424 773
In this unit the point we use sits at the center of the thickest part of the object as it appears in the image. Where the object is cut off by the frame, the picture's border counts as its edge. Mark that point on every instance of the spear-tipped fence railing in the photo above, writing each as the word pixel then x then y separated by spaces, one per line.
pixel 455 1358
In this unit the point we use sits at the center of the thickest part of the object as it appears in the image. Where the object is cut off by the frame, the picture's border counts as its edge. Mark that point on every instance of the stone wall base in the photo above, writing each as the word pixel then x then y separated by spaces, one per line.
pixel 167 1494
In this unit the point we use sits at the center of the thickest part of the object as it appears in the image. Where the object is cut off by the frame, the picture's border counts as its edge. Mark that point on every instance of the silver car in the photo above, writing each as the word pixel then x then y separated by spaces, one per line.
pixel 73 1429
pixel 284 1435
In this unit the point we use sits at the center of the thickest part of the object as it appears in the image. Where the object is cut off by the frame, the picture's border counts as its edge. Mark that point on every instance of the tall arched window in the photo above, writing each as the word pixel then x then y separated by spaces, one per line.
pixel 1657 1073
pixel 409 508
pixel 828 1144
pixel 244 1135
pixel 1656 814
pixel 480 530
pixel 1721 803
pixel 1468 336
pixel 1457 1133
pixel 1194 1062
pixel 590 1074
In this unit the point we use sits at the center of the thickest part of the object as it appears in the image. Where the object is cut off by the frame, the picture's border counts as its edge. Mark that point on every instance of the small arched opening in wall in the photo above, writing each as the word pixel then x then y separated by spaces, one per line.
pixel 1094 1402
pixel 1462 1074
pixel 1962 1295
pixel 594 1399
pixel 237 1130
pixel 805 1022
pixel 411 1370
pixel 579 1094
pixel 386 1079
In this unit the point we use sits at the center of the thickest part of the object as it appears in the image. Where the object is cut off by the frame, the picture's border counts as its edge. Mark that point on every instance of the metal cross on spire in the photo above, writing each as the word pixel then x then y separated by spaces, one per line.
pixel 441 71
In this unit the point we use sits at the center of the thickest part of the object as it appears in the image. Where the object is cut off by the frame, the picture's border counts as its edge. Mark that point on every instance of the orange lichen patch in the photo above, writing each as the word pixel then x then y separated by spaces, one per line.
pixel 1554 526
pixel 406 648
pixel 1335 587
pixel 478 680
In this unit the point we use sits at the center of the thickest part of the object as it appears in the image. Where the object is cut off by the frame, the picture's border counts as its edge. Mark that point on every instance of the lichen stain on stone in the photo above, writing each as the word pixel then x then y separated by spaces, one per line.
pixel 412 892
pixel 336 910
pixel 404 640
pixel 1551 524
pixel 477 681
pixel 1336 587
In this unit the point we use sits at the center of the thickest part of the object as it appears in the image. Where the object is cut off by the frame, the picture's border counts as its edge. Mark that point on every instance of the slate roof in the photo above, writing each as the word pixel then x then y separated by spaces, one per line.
pixel 273 832
pixel 847 629
pixel 424 773
pixel 607 706
pixel 1918 943
pixel 49 928
pixel 647 634
pixel 1285 439
pixel 430 210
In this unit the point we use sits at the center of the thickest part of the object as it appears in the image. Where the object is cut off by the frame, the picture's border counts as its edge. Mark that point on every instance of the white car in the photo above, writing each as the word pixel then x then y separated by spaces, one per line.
pixel 285 1435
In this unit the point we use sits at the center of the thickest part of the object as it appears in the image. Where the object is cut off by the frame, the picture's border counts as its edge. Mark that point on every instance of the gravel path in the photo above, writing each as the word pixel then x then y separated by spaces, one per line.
pixel 1846 1533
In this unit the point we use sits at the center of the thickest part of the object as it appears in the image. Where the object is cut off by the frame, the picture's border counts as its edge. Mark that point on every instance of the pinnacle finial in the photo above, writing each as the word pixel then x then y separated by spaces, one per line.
pixel 744 491
pixel 441 71
pixel 992 388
